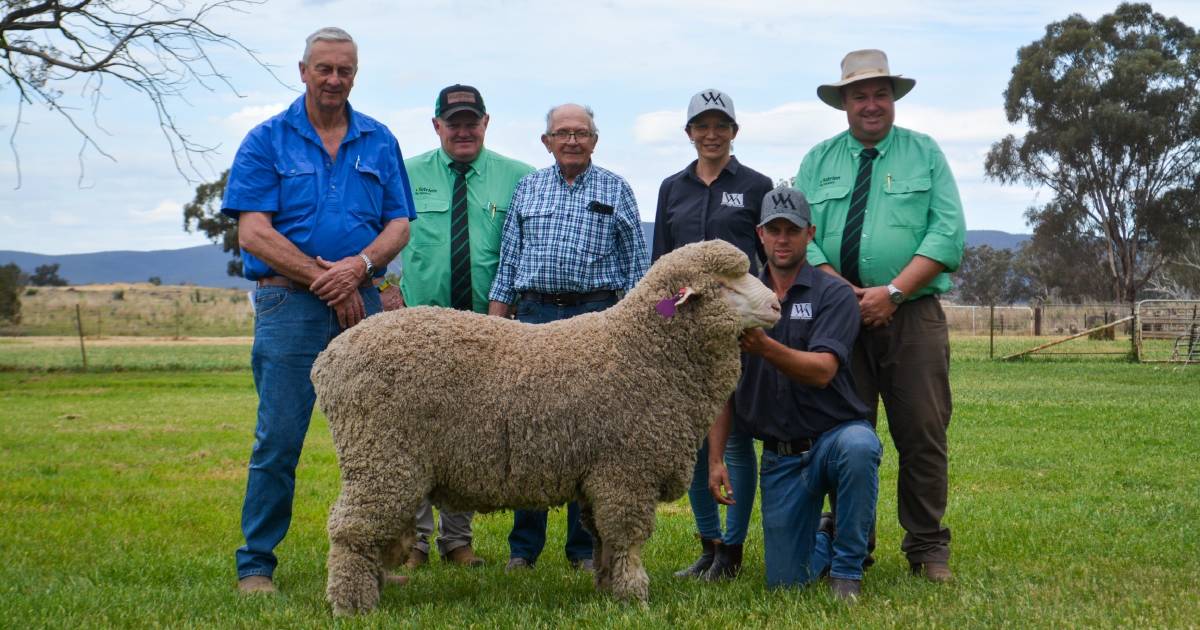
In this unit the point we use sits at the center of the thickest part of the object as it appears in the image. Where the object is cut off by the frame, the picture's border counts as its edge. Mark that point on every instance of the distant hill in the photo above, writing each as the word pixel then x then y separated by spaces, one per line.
pixel 204 265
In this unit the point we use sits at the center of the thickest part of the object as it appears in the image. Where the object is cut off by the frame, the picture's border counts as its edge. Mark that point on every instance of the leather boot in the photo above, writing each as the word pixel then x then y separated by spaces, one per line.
pixel 726 565
pixel 697 569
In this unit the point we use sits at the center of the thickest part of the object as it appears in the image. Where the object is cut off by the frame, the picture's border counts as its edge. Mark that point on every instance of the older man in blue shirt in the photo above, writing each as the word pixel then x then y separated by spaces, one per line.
pixel 572 239
pixel 323 203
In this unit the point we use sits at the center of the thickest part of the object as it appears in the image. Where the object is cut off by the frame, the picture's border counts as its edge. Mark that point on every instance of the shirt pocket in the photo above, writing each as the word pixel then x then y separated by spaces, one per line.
pixel 596 234
pixel 432 224
pixel 822 202
pixel 908 201
pixel 297 188
pixel 368 203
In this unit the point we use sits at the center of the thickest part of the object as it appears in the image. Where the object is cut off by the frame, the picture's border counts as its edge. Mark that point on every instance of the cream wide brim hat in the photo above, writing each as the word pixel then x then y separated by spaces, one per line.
pixel 861 65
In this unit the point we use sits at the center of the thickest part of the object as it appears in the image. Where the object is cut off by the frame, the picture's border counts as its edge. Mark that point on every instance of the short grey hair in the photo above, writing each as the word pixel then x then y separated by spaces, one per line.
pixel 587 110
pixel 326 34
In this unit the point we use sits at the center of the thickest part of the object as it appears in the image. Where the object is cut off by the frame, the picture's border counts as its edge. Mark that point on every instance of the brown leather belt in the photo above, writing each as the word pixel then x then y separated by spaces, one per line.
pixel 283 281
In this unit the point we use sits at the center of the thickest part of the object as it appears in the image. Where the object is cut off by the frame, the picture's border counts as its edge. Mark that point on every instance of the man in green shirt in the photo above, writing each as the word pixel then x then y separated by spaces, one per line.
pixel 462 192
pixel 890 223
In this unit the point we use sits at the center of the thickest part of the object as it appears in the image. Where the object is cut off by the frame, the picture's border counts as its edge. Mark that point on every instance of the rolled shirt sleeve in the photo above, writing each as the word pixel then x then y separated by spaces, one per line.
pixel 947 229
pixel 836 322
pixel 253 182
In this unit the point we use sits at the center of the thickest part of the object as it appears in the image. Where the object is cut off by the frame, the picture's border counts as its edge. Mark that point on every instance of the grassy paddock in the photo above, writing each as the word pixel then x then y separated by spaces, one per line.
pixel 1073 503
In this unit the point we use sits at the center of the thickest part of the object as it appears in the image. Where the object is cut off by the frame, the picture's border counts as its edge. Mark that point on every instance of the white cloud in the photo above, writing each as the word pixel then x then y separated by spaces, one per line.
pixel 165 211
pixel 63 219
pixel 244 119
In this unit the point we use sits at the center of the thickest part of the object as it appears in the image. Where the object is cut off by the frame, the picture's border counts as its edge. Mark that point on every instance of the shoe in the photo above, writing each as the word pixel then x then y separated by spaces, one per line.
pixel 256 584
pixel 396 579
pixel 826 524
pixel 463 556
pixel 518 564
pixel 726 565
pixel 845 590
pixel 938 572
pixel 416 558
pixel 697 569
pixel 583 564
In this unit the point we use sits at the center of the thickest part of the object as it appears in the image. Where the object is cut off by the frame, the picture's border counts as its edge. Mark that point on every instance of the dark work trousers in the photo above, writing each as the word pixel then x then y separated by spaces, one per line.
pixel 907 364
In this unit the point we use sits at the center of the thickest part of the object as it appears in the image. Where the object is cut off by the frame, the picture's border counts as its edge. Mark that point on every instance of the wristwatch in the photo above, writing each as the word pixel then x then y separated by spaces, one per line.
pixel 370 265
pixel 895 294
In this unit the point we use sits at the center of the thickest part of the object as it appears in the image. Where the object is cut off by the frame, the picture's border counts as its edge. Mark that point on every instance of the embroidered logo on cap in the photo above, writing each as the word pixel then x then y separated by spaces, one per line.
pixel 460 97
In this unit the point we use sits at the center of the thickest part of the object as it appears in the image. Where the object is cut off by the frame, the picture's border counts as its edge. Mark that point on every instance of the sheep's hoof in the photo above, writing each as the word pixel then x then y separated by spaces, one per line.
pixel 632 588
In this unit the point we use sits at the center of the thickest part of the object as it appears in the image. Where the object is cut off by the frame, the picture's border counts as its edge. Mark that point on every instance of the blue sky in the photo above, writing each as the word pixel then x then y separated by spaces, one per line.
pixel 636 62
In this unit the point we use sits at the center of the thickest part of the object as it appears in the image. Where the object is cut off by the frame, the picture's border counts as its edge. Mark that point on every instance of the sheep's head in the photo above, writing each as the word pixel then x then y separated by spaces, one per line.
pixel 713 269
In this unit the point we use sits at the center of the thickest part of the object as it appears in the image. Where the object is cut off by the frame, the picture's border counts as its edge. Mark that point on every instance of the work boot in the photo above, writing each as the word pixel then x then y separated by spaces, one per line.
pixel 583 564
pixel 726 565
pixel 517 564
pixel 845 590
pixel 463 556
pixel 256 585
pixel 697 569
pixel 938 572
pixel 416 558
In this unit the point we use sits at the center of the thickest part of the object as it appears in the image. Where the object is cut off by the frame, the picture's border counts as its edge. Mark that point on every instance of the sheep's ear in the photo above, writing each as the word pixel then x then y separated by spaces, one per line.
pixel 666 306
pixel 685 294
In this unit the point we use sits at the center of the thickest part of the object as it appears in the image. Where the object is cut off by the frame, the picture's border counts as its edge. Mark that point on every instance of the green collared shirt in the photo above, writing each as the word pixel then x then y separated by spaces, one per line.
pixel 913 207
pixel 426 259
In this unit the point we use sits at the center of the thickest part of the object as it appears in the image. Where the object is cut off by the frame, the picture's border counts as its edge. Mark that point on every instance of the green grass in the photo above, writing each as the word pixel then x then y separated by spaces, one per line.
pixel 29 354
pixel 1073 503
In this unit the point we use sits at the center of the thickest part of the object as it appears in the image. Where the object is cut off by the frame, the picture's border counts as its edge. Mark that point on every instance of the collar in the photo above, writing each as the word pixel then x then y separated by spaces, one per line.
pixel 297 116
pixel 804 277
pixel 882 146
pixel 731 167
pixel 581 178
pixel 477 165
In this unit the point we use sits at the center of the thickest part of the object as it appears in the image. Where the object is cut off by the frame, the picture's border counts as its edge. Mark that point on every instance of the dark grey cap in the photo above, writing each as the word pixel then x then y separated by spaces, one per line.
pixel 710 100
pixel 788 203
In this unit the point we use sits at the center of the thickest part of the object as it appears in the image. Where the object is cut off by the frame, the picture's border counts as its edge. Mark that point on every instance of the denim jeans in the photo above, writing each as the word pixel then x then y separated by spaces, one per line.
pixel 743 476
pixel 291 327
pixel 528 535
pixel 845 458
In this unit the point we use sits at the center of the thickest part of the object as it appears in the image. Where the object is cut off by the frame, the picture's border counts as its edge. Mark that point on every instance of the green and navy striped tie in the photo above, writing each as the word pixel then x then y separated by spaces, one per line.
pixel 460 241
pixel 852 233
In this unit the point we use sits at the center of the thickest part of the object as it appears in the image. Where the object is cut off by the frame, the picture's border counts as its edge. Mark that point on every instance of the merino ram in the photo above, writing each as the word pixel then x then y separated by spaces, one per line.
pixel 483 413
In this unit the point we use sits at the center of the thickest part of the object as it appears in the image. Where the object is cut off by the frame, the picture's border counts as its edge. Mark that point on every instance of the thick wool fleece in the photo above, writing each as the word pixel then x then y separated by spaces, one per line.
pixel 483 413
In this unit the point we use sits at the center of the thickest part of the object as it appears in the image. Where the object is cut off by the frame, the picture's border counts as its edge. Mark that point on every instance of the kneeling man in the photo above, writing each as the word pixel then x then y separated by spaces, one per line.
pixel 797 396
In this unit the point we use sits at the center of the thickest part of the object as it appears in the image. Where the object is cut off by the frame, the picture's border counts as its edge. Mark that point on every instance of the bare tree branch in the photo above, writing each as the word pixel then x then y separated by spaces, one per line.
pixel 157 48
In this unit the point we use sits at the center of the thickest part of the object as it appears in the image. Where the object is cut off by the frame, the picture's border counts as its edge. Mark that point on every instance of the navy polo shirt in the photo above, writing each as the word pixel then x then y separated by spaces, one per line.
pixel 327 208
pixel 820 314
pixel 689 211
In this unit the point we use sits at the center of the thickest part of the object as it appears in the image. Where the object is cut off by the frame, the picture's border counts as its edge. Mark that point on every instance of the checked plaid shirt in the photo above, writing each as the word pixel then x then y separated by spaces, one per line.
pixel 570 239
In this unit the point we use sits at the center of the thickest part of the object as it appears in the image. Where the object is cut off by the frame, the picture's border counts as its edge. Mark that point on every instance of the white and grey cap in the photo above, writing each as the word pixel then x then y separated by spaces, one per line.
pixel 788 203
pixel 710 100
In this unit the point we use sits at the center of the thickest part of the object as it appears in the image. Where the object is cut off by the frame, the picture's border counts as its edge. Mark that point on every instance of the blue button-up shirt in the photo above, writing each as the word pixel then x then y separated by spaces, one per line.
pixel 820 314
pixel 331 209
pixel 578 238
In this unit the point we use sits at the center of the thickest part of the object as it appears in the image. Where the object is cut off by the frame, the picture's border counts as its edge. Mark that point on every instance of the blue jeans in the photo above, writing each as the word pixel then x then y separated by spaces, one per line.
pixel 743 476
pixel 528 535
pixel 291 328
pixel 845 458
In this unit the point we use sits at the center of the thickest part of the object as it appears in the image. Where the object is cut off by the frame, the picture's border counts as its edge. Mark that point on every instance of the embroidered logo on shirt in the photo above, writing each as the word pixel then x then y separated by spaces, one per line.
pixel 424 190
pixel 733 200
pixel 802 310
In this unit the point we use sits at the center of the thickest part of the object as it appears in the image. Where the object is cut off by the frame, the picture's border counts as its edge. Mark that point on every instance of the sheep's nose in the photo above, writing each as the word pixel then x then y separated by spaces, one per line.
pixel 775 307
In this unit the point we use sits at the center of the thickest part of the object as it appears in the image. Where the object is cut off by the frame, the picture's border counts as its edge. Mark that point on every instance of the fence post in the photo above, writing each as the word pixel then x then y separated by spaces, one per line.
pixel 79 327
pixel 1037 321
pixel 992 331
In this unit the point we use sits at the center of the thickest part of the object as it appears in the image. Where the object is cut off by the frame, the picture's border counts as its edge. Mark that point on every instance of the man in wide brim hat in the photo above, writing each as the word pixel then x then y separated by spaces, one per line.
pixel 861 65
pixel 890 223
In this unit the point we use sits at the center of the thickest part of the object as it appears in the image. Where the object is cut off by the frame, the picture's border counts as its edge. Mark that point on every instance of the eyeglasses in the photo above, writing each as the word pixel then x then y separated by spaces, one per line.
pixel 721 127
pixel 562 135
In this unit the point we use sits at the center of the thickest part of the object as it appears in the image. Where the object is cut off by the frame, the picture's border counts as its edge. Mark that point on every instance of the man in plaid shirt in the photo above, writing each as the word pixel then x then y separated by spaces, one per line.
pixel 571 241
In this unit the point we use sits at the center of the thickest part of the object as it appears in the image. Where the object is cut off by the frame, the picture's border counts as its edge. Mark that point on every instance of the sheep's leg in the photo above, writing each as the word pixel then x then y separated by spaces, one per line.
pixel 601 556
pixel 624 518
pixel 373 516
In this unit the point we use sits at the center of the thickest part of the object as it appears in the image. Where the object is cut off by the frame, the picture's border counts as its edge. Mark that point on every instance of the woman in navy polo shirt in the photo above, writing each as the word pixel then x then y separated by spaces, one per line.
pixel 715 197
